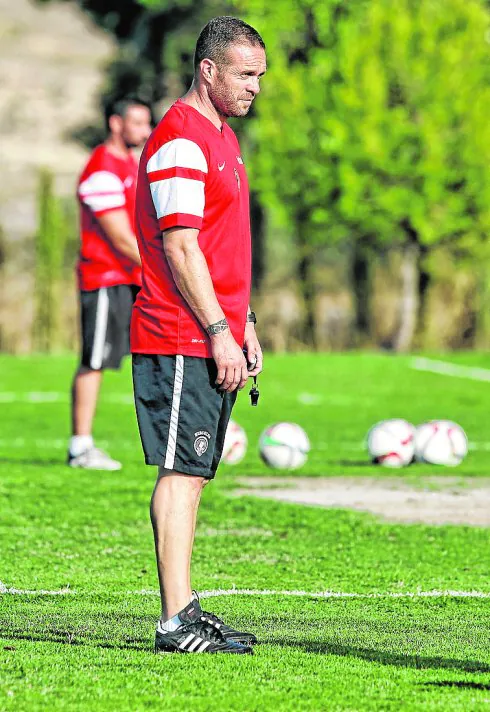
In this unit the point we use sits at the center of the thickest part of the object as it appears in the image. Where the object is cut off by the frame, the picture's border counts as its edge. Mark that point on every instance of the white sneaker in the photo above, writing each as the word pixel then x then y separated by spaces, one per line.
pixel 94 459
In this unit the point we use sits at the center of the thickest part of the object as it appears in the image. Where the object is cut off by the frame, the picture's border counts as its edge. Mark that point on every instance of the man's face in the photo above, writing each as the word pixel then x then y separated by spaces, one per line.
pixel 235 85
pixel 135 126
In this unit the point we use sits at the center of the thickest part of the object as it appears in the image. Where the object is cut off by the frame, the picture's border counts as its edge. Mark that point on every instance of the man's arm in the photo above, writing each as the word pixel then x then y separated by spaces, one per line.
pixel 191 274
pixel 116 226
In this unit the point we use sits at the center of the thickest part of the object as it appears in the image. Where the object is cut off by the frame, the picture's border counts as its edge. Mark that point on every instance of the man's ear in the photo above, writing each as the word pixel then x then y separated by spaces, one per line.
pixel 115 124
pixel 208 70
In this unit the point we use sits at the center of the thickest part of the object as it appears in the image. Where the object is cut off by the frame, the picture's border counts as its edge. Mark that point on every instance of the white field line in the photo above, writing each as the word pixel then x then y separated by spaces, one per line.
pixel 39 592
pixel 219 592
pixel 55 397
pixel 450 369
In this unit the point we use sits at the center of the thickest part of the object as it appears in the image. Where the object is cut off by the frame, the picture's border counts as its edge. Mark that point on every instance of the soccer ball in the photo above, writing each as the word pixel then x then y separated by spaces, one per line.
pixel 440 442
pixel 391 442
pixel 284 446
pixel 235 445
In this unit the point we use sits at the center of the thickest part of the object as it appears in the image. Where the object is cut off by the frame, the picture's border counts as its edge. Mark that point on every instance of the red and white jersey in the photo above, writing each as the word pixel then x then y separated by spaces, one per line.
pixel 108 182
pixel 191 175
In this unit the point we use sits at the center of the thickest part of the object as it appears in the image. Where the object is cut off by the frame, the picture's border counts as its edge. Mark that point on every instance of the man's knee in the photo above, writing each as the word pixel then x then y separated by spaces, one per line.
pixel 83 370
pixel 180 479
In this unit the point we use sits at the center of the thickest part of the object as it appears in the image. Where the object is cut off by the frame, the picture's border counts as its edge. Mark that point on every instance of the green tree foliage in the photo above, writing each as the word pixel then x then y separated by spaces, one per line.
pixel 374 124
pixel 372 130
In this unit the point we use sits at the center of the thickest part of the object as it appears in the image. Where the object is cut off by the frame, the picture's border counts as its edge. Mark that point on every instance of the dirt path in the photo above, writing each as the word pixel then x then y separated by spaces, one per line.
pixel 434 500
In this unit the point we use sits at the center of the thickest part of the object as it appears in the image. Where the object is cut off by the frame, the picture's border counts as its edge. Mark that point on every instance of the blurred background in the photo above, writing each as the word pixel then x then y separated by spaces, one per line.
pixel 368 153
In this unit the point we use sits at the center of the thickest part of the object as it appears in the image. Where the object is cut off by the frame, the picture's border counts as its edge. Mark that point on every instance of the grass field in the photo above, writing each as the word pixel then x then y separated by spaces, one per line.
pixel 81 543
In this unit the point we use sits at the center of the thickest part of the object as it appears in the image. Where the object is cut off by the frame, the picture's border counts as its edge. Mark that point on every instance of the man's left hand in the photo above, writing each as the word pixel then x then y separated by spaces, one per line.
pixel 253 352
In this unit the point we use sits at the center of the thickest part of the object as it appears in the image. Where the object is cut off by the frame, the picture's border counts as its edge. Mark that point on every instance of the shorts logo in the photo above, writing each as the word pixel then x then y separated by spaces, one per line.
pixel 237 176
pixel 201 443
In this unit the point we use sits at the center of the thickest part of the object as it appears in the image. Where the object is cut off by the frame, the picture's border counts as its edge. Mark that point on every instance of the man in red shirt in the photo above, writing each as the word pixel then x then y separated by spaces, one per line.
pixel 192 323
pixel 109 268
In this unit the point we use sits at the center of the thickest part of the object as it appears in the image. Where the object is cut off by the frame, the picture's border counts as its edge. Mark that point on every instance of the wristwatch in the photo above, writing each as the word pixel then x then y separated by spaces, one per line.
pixel 251 317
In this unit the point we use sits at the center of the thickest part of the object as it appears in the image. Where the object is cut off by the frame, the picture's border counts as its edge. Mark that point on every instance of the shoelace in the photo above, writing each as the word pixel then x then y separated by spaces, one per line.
pixel 206 616
pixel 209 630
pixel 212 618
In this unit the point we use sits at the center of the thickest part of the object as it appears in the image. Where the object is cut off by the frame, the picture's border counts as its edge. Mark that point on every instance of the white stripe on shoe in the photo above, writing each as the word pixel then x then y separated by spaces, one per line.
pixel 203 647
pixel 194 644
pixel 174 415
pixel 100 329
pixel 190 638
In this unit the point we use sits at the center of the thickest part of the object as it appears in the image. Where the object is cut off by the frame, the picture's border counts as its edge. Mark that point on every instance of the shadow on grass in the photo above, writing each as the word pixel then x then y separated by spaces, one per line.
pixel 351 463
pixel 35 462
pixel 464 684
pixel 419 662
pixel 67 637
pixel 144 644
pixel 97 630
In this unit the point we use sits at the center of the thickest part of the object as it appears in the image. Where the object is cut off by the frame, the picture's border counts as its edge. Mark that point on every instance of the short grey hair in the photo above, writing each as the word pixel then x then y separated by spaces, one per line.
pixel 219 34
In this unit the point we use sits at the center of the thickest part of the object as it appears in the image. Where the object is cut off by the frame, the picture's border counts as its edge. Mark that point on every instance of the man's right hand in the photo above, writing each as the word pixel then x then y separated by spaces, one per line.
pixel 230 362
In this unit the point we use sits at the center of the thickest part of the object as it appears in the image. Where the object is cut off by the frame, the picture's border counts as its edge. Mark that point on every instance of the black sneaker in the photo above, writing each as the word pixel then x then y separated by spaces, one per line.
pixel 197 635
pixel 227 631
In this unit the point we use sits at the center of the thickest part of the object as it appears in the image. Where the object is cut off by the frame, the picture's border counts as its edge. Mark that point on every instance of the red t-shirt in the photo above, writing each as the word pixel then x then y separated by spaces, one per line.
pixel 191 175
pixel 108 182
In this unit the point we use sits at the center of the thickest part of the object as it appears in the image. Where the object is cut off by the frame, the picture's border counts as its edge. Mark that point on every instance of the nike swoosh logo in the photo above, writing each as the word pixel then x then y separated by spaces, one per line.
pixel 220 167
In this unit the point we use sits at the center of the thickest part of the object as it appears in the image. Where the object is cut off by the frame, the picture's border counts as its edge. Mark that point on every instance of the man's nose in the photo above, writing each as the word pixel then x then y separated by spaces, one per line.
pixel 254 85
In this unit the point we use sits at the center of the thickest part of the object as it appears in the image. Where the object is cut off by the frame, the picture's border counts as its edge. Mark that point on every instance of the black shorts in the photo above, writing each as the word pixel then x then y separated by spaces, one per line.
pixel 106 316
pixel 182 416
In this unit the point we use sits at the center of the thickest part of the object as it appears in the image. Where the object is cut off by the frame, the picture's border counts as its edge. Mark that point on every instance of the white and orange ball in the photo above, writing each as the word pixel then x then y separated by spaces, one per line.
pixel 441 442
pixel 391 443
pixel 235 445
pixel 284 446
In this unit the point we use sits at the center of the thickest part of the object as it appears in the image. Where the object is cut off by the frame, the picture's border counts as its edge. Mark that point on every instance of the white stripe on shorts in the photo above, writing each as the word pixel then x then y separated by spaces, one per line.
pixel 174 415
pixel 100 329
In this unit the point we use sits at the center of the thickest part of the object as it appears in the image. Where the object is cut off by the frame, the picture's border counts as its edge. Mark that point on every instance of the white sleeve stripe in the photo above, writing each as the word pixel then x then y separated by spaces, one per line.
pixel 104 202
pixel 101 182
pixel 102 190
pixel 178 195
pixel 181 153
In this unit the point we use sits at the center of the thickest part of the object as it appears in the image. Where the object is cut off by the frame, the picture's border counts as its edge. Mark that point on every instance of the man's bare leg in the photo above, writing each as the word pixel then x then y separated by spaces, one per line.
pixel 85 392
pixel 81 449
pixel 173 511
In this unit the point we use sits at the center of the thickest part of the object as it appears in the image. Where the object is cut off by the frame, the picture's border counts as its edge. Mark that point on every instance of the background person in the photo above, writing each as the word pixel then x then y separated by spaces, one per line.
pixel 109 268
pixel 190 318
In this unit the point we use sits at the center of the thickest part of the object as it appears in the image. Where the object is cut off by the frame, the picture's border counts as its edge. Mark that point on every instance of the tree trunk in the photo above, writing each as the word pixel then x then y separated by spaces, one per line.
pixel 258 240
pixel 308 294
pixel 361 287
pixel 410 299
pixel 425 280
pixel 482 340
pixel 306 280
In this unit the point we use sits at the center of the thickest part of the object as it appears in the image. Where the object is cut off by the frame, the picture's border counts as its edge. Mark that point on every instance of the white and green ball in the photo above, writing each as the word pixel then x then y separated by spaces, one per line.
pixel 284 446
